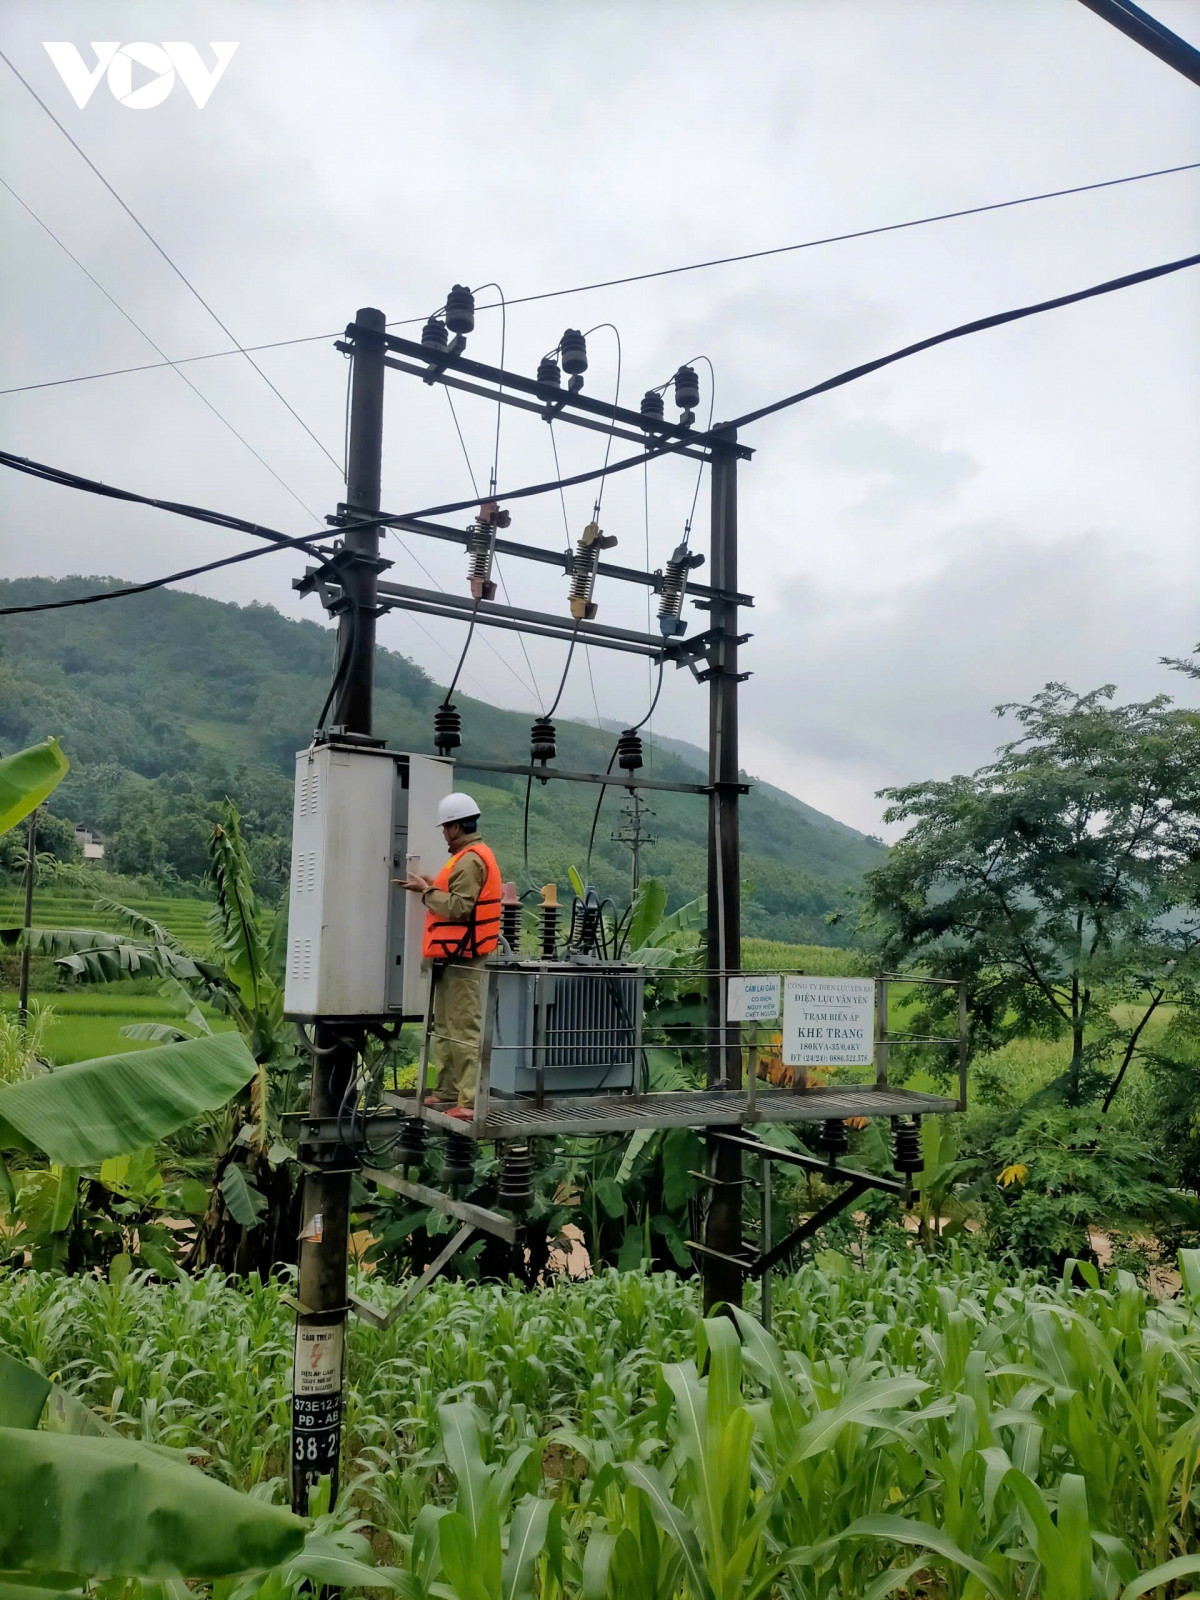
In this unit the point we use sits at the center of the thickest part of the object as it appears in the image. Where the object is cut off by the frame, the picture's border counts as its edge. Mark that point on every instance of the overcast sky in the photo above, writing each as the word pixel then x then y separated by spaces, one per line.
pixel 1015 507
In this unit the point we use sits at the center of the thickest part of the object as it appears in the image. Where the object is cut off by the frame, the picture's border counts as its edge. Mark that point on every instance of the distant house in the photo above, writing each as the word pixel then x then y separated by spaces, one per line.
pixel 93 848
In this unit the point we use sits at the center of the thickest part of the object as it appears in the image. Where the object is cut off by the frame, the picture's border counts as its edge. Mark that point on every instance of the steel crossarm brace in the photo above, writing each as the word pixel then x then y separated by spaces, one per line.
pixel 809 1226
pixel 797 1158
pixel 433 602
pixel 476 1216
pixel 561 559
pixel 624 780
pixel 436 375
pixel 440 361
pixel 384 1319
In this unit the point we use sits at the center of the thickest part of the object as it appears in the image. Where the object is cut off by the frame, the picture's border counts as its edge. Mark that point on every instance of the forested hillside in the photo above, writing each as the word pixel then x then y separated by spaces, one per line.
pixel 166 702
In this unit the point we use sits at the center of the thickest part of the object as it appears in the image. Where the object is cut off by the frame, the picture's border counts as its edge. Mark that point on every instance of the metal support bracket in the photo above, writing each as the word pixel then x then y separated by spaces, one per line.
pixel 384 1319
pixel 477 1216
pixel 799 1158
pixel 808 1227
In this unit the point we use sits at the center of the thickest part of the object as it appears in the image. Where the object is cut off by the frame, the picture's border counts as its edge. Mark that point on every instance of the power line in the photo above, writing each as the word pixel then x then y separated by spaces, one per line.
pixel 187 283
pixel 1147 31
pixel 172 577
pixel 132 321
pixel 641 277
pixel 222 519
pixel 978 326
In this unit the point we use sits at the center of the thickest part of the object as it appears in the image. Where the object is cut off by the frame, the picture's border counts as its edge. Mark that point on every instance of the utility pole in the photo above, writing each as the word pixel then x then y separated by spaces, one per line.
pixel 630 832
pixel 723 1235
pixel 322 1288
pixel 30 873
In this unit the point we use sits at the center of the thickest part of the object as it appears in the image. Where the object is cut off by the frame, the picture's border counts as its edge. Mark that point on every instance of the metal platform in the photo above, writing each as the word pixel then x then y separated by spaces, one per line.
pixel 523 1118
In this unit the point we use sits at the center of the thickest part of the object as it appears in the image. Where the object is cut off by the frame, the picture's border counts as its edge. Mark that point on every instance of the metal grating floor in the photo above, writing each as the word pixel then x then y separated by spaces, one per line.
pixel 520 1118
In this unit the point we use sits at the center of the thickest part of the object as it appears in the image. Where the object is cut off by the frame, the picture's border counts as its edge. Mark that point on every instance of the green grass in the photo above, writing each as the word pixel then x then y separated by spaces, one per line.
pixel 187 919
pixel 770 955
pixel 88 1021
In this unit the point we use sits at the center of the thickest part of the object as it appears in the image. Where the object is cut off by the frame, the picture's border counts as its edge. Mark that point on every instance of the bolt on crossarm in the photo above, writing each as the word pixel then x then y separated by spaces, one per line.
pixel 324 1238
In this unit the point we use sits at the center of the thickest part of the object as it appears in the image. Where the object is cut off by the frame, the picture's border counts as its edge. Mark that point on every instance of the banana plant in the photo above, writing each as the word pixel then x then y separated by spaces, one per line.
pixel 96 1123
pixel 248 1222
pixel 27 777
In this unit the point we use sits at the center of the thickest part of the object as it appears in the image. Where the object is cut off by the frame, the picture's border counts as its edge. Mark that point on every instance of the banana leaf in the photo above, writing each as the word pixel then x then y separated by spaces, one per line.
pixel 22 1393
pixel 26 778
pixel 83 1114
pixel 109 1507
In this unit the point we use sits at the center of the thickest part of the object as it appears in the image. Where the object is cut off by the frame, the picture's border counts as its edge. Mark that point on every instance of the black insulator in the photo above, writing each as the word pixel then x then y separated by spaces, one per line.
pixel 572 350
pixel 447 729
pixel 549 372
pixel 434 335
pixel 460 309
pixel 458 1159
pixel 906 1146
pixel 835 1139
pixel 542 746
pixel 687 388
pixel 629 751
pixel 510 917
pixel 515 1191
pixel 414 1135
pixel 652 405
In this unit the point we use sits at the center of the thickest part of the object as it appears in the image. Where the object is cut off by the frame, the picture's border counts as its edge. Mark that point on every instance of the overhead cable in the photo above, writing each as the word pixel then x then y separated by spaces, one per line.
pixel 977 326
pixel 667 447
pixel 133 322
pixel 183 278
pixel 642 277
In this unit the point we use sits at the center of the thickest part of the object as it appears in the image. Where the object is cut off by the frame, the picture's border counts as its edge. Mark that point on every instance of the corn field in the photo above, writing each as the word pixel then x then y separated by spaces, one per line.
pixel 926 1427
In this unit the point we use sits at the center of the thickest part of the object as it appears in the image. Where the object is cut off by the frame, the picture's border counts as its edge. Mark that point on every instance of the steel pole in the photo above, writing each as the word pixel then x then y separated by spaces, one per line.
pixel 723 1233
pixel 324 1247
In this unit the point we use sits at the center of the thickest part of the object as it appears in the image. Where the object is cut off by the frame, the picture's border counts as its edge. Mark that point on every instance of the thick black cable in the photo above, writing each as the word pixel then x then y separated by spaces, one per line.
pixel 187 283
pixel 665 447
pixel 171 577
pixel 978 326
pixel 640 277
pixel 157 348
pixel 344 658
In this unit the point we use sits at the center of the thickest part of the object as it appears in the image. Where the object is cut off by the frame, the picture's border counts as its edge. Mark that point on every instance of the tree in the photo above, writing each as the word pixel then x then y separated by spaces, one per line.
pixel 1059 880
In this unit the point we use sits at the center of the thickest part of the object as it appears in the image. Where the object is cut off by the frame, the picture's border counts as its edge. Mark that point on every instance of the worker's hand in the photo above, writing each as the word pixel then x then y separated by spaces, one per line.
pixel 417 884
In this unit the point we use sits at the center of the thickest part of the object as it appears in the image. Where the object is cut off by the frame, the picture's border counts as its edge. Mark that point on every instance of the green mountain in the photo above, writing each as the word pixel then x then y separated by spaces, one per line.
pixel 166 702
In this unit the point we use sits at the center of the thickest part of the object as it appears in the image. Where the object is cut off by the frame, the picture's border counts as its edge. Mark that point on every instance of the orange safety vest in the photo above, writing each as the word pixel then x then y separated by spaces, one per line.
pixel 444 941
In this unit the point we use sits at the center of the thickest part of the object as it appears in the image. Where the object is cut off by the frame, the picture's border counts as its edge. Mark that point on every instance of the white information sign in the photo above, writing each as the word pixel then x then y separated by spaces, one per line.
pixel 829 1022
pixel 754 997
pixel 318 1359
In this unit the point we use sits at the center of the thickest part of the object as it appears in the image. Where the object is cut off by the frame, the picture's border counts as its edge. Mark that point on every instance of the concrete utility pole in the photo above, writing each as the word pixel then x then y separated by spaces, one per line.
pixel 321 1319
pixel 723 1235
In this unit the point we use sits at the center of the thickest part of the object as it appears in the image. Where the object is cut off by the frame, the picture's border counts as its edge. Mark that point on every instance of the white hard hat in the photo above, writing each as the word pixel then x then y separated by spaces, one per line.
pixel 456 808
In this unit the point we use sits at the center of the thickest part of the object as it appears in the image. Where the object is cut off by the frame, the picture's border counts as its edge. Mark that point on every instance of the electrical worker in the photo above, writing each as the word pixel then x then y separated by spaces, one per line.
pixel 462 928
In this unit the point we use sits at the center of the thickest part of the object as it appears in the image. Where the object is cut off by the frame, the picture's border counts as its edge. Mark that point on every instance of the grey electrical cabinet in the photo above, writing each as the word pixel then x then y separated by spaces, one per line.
pixel 354 934
pixel 564 1027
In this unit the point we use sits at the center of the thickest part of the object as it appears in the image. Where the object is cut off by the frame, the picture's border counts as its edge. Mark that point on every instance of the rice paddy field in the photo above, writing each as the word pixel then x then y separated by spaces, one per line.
pixel 922 1426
